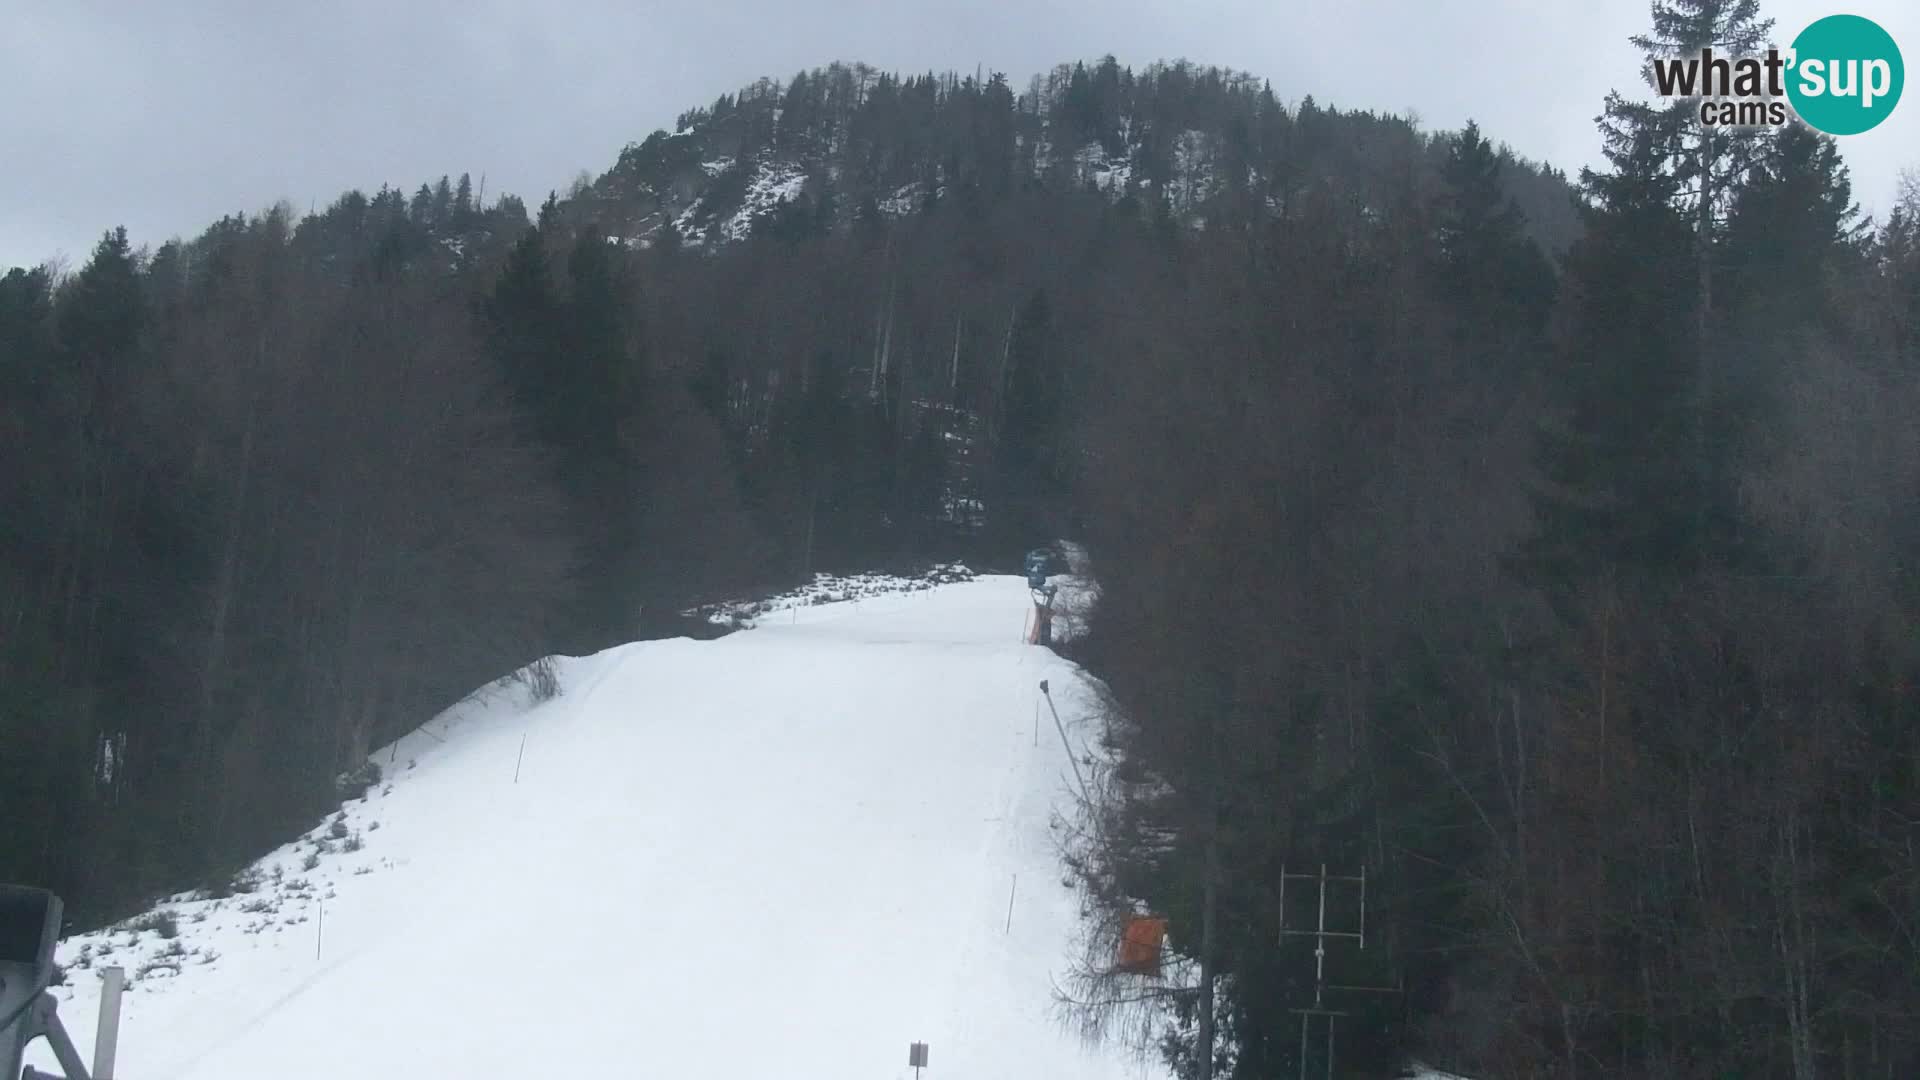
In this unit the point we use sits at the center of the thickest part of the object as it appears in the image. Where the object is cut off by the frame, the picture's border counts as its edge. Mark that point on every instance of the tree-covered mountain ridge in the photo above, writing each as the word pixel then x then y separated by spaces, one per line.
pixel 832 146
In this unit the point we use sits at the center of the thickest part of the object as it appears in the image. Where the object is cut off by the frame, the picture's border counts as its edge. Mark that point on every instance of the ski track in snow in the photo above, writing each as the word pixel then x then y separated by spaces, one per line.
pixel 787 852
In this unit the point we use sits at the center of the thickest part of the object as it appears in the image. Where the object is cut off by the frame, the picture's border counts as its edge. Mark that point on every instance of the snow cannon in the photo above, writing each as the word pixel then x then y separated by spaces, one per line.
pixel 30 922
pixel 29 927
pixel 1039 561
pixel 1040 623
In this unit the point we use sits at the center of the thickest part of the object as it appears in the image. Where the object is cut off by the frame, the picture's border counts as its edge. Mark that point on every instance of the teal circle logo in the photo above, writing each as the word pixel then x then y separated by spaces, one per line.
pixel 1846 75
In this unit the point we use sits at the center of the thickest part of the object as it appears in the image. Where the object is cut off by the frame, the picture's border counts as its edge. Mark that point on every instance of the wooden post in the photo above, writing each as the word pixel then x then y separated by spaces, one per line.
pixel 107 1037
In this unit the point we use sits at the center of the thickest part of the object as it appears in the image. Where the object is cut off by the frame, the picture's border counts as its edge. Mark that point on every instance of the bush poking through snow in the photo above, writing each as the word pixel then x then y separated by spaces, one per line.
pixel 541 680
pixel 234 884
pixel 155 967
pixel 354 785
pixel 162 923
pixel 312 860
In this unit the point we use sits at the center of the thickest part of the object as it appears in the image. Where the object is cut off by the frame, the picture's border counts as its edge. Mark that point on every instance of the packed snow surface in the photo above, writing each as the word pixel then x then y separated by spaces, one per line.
pixel 786 853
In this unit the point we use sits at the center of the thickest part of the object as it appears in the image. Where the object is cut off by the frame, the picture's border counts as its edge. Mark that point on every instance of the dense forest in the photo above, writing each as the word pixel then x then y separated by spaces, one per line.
pixel 1544 550
pixel 1576 609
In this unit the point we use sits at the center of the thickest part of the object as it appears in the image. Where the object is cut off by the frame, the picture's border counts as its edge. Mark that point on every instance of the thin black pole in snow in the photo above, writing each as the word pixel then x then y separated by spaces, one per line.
pixel 520 758
pixel 1010 891
pixel 1062 729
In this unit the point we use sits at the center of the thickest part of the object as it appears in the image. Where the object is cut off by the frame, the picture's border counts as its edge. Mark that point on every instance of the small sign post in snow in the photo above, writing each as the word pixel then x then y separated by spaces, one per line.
pixel 917 1057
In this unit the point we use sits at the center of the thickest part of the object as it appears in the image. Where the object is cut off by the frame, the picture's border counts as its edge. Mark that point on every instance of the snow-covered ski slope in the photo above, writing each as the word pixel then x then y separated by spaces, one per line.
pixel 786 853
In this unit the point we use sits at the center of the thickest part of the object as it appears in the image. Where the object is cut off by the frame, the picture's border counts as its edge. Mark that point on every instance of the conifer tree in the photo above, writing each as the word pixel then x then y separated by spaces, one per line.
pixel 1032 411
pixel 1625 479
pixel 1487 261
pixel 1703 162
pixel 463 207
pixel 523 321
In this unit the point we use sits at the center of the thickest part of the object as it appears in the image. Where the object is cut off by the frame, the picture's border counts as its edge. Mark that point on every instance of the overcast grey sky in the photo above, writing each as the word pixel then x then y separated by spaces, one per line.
pixel 163 116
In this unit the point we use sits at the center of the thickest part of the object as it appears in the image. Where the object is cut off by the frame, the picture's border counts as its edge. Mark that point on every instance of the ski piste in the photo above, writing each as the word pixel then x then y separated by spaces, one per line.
pixel 790 851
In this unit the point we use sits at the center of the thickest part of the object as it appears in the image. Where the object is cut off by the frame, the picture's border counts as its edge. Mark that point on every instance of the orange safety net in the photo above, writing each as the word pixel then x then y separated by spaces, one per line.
pixel 1140 944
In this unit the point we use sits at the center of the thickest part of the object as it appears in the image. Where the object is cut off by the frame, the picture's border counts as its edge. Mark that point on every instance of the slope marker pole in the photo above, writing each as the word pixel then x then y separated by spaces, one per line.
pixel 1071 760
pixel 1010 892
pixel 522 756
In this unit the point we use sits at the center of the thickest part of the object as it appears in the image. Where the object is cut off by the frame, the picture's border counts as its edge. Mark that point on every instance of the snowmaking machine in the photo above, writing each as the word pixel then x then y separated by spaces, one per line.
pixel 29 928
pixel 1039 562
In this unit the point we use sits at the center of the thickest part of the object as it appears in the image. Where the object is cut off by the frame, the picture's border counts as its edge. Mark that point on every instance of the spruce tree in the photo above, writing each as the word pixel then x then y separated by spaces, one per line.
pixel 1639 466
pixel 463 207
pixel 1488 265
pixel 100 321
pixel 1031 414
pixel 1703 162
pixel 523 323
pixel 1625 483
pixel 441 214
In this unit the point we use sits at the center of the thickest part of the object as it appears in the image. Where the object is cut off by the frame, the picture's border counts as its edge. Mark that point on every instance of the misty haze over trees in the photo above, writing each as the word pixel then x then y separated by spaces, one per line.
pixel 1546 548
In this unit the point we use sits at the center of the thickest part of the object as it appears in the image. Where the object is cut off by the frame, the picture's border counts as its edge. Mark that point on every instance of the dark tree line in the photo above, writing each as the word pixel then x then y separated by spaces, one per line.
pixel 1578 608
pixel 262 512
